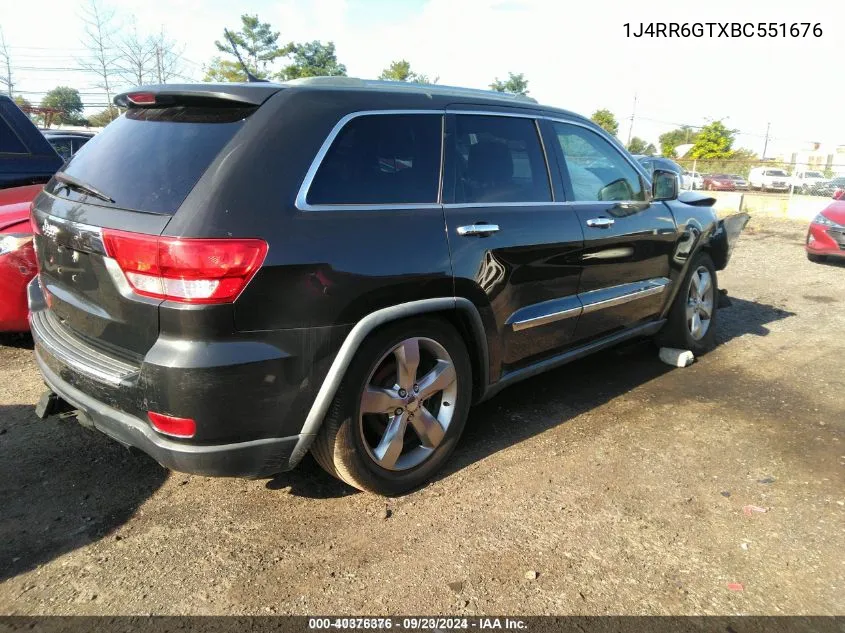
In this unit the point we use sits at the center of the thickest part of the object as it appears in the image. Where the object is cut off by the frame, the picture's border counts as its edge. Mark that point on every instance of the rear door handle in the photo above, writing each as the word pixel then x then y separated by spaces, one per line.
pixel 600 223
pixel 478 229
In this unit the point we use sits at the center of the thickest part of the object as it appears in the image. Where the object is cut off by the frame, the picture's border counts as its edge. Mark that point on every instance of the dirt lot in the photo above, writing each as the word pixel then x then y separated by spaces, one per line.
pixel 621 482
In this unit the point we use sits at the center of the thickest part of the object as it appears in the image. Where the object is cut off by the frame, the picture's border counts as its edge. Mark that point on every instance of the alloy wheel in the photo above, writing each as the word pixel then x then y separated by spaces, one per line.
pixel 700 304
pixel 407 403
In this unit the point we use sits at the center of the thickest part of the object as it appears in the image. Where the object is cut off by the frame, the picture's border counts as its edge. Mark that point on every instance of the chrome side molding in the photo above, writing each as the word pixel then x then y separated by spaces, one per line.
pixel 587 302
pixel 618 295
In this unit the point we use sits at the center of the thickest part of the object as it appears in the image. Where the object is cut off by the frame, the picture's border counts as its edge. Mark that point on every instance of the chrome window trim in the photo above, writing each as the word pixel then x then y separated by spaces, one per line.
pixel 514 115
pixel 470 205
pixel 301 198
pixel 302 195
pixel 546 159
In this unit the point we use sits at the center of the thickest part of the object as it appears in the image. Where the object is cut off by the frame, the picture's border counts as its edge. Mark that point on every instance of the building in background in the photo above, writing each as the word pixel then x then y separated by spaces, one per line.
pixel 823 157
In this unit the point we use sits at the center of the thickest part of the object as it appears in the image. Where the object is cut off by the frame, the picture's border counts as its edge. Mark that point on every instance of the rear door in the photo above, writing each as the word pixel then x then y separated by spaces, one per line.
pixel 145 163
pixel 514 246
pixel 628 240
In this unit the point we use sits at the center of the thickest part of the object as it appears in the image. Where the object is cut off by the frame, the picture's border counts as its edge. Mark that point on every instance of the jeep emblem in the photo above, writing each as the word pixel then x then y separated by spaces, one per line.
pixel 50 230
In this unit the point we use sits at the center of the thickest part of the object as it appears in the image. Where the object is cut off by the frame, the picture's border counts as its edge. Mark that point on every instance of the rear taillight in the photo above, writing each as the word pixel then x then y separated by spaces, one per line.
pixel 141 98
pixel 186 270
pixel 171 425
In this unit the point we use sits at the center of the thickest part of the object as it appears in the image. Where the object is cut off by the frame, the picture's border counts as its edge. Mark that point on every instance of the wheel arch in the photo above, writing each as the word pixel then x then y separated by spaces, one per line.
pixel 461 313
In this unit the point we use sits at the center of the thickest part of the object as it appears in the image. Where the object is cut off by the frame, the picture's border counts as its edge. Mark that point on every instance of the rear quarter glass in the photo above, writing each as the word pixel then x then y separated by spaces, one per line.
pixel 149 159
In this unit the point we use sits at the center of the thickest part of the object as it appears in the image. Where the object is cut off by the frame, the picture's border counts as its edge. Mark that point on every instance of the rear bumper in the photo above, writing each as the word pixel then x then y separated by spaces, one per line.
pixel 246 425
pixel 257 458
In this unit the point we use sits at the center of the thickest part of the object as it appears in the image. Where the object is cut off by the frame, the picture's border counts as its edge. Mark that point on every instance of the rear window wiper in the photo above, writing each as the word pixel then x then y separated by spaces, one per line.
pixel 74 183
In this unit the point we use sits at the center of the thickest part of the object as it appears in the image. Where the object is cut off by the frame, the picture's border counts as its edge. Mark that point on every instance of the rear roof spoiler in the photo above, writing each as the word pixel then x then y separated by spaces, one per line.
pixel 252 93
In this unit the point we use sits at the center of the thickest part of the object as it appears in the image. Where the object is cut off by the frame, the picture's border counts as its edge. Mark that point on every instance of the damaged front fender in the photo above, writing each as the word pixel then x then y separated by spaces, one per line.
pixel 724 238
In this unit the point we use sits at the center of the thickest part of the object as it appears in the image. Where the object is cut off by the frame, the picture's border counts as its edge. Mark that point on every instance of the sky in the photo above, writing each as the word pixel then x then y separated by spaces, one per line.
pixel 575 55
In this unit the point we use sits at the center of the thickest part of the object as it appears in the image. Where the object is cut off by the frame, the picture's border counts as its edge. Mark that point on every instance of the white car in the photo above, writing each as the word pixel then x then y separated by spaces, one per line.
pixel 694 178
pixel 808 182
pixel 768 179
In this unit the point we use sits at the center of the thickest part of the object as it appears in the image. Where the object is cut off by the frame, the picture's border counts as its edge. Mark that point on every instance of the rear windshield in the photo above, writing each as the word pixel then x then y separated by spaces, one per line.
pixel 150 158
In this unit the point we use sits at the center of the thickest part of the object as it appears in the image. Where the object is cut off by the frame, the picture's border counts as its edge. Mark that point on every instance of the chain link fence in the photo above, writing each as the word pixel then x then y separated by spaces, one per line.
pixel 788 188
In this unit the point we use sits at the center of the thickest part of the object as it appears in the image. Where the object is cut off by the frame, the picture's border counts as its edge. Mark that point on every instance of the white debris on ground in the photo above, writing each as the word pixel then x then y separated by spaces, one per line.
pixel 676 357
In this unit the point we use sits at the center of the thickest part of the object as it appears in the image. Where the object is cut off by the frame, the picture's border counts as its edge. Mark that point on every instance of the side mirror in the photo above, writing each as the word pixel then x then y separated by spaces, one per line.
pixel 664 185
pixel 618 190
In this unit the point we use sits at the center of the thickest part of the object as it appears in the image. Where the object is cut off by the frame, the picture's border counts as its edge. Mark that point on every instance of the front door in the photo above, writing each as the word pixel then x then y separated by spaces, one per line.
pixel 514 248
pixel 628 240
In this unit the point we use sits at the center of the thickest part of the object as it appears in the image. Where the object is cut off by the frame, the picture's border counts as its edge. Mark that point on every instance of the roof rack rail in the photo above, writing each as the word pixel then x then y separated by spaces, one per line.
pixel 405 86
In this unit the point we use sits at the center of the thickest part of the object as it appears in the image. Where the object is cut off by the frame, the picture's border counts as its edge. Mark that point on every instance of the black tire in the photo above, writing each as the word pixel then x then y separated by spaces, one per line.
pixel 676 332
pixel 816 259
pixel 340 445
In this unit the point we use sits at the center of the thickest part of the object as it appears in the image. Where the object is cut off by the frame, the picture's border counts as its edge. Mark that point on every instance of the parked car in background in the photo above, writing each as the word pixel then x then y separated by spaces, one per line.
pixel 719 182
pixel 246 264
pixel 808 182
pixel 694 179
pixel 26 157
pixel 650 163
pixel 832 188
pixel 826 235
pixel 768 179
pixel 740 183
pixel 17 259
pixel 67 144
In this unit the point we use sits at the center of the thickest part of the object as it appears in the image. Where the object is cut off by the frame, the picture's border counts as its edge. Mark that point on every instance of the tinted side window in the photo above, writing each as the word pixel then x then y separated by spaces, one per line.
pixel 382 159
pixel 9 141
pixel 597 170
pixel 499 159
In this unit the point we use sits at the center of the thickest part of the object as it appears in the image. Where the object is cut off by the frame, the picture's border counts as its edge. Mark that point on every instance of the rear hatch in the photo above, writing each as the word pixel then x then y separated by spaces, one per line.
pixel 129 179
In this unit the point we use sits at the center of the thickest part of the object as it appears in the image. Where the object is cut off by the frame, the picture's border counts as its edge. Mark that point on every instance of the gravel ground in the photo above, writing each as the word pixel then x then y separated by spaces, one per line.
pixel 613 485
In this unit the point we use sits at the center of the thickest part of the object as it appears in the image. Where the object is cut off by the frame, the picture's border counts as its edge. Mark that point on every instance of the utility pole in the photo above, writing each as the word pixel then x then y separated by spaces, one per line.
pixel 631 126
pixel 5 53
pixel 158 62
pixel 766 143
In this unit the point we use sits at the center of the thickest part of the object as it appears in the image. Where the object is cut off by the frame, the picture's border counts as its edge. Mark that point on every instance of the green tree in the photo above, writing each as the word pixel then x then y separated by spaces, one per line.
pixel 713 141
pixel 313 59
pixel 256 44
pixel 68 102
pixel 22 102
pixel 670 140
pixel 605 119
pixel 398 71
pixel 401 71
pixel 223 70
pixel 515 84
pixel 639 146
pixel 103 118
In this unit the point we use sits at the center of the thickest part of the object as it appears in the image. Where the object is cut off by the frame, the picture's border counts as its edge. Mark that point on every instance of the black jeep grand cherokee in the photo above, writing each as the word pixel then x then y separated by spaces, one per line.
pixel 231 275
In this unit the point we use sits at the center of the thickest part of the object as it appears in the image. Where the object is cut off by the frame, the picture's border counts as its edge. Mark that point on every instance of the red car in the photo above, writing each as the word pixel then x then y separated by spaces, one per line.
pixel 17 259
pixel 826 235
pixel 719 182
